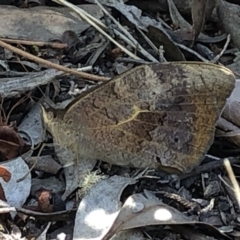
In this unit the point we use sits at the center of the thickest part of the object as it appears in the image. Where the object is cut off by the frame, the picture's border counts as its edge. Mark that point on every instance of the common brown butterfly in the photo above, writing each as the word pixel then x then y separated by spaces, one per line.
pixel 158 116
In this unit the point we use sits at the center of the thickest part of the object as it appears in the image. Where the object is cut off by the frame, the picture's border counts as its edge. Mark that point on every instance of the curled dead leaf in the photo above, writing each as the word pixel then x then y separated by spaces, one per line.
pixel 198 16
pixel 139 210
pixel 11 144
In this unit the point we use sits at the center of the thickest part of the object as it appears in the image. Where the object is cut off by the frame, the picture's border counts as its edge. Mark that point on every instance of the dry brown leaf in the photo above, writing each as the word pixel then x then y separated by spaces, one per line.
pixel 11 144
pixel 42 23
pixel 139 210
pixel 102 202
pixel 198 16
pixel 186 29
pixel 229 18
pixel 161 38
pixel 146 209
pixel 211 4
pixel 129 235
pixel 177 18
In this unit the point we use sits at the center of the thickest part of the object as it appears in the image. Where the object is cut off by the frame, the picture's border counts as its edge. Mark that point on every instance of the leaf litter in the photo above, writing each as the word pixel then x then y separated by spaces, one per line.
pixel 110 38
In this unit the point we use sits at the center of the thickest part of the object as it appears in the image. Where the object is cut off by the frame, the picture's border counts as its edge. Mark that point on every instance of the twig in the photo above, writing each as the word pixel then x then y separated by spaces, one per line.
pixel 50 64
pixel 40 44
pixel 223 50
pixel 151 44
pixel 136 46
pixel 15 105
pixel 95 20
pixel 36 161
pixel 92 23
pixel 233 180
pixel 130 60
pixel 192 51
pixel 163 22
pixel 52 216
pixel 207 167
pixel 224 182
pixel 127 36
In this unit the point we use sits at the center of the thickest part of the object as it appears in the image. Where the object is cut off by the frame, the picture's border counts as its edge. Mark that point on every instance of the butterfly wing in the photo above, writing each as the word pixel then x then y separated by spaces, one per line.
pixel 157 115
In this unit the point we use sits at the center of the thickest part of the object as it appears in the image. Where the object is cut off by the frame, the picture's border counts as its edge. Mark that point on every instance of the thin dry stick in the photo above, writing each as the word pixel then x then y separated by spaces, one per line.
pixel 50 64
pixel 226 184
pixel 233 180
pixel 223 50
pixel 95 20
pixel 151 44
pixel 136 46
pixel 192 51
pixel 36 43
pixel 36 160
pixel 92 23
pixel 15 105
pixel 127 36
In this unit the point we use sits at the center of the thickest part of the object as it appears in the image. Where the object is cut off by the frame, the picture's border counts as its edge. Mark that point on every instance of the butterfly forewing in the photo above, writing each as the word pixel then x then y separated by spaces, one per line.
pixel 157 115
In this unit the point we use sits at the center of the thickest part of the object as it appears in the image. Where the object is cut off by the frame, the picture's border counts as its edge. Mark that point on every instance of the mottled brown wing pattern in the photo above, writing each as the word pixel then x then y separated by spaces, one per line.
pixel 157 115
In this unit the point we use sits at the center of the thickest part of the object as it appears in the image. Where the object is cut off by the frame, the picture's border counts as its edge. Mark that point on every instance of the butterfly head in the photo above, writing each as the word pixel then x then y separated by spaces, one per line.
pixel 49 118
